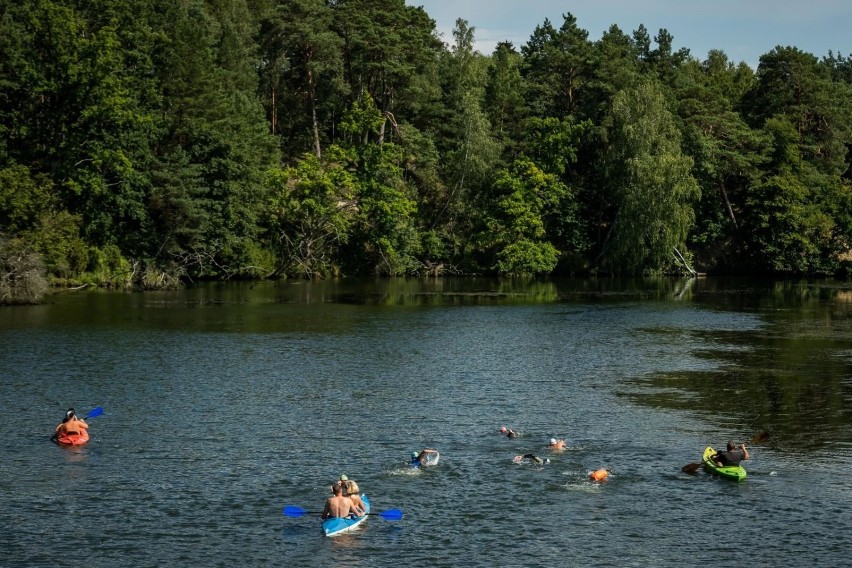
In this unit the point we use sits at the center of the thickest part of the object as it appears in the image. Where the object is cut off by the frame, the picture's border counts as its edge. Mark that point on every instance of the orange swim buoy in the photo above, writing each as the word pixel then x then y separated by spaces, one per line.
pixel 598 475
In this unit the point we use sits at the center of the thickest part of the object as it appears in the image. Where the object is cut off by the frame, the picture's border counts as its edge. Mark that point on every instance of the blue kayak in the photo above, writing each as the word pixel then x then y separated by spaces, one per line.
pixel 336 526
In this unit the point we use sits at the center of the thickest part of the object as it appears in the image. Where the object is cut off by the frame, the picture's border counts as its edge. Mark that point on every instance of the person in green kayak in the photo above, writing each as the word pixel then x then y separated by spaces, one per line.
pixel 731 456
pixel 70 425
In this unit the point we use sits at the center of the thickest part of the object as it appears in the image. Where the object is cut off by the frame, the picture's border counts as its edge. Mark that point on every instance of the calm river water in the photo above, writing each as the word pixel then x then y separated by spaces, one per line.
pixel 224 403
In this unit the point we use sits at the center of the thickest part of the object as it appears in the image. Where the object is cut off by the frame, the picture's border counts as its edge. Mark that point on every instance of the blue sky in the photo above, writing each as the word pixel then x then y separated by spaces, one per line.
pixel 743 29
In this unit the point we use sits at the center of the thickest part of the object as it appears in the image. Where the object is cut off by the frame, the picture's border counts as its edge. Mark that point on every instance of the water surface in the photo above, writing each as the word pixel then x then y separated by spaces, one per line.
pixel 224 403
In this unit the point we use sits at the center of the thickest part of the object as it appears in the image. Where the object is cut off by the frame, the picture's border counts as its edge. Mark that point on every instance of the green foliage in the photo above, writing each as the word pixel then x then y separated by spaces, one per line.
pixel 384 232
pixel 148 141
pixel 527 257
pixel 311 208
pixel 302 70
pixel 790 229
pixel 57 239
pixel 23 198
pixel 362 119
pixel 554 143
pixel 516 234
pixel 22 276
pixel 795 211
pixel 651 183
pixel 556 66
pixel 504 97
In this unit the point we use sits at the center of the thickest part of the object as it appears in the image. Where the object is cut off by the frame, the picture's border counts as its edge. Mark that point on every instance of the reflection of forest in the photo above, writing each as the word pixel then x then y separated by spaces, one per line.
pixel 791 378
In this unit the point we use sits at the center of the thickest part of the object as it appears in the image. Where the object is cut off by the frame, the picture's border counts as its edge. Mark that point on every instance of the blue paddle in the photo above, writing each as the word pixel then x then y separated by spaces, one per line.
pixel 389 515
pixel 97 411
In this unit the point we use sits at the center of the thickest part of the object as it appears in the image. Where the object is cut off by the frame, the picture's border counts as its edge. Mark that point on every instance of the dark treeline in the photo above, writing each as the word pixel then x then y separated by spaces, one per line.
pixel 146 142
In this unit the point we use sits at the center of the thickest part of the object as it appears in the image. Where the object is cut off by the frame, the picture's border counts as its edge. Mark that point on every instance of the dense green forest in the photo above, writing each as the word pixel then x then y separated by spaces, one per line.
pixel 151 142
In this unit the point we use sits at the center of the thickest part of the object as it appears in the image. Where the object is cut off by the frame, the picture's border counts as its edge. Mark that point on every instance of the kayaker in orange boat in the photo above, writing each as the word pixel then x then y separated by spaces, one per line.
pixel 338 505
pixel 70 425
pixel 732 456
pixel 557 444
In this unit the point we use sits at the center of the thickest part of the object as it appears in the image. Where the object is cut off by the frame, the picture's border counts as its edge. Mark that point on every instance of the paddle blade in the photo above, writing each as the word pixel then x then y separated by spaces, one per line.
pixel 391 515
pixel 760 438
pixel 94 412
pixel 691 467
pixel 293 511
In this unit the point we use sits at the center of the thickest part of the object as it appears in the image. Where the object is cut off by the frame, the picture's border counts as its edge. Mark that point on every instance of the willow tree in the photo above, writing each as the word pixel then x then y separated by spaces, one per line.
pixel 649 183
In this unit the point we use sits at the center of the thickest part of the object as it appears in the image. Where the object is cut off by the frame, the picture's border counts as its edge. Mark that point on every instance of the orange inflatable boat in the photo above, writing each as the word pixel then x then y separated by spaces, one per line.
pixel 77 439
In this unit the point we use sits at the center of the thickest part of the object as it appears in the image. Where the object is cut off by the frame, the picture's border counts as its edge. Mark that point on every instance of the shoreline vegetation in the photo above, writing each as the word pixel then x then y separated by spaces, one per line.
pixel 145 144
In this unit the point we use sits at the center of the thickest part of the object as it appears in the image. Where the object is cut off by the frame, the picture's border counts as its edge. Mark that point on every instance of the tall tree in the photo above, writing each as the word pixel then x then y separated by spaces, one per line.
pixel 650 183
pixel 389 51
pixel 77 109
pixel 384 236
pixel 728 155
pixel 311 209
pixel 216 119
pixel 555 66
pixel 792 83
pixel 302 69
pixel 515 239
pixel 469 151
pixel 504 97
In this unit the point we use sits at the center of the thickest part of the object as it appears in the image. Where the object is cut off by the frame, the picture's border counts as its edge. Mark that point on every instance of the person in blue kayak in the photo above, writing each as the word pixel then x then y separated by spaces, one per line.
pixel 351 490
pixel 342 481
pixel 425 457
pixel 731 456
pixel 338 505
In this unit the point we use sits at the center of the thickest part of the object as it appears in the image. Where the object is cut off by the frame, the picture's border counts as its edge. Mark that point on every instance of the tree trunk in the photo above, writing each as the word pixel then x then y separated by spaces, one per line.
pixel 728 203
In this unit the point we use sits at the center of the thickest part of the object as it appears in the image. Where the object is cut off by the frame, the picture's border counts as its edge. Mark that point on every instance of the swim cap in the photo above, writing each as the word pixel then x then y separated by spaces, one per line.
pixel 553 441
pixel 503 429
pixel 343 478
pixel 415 454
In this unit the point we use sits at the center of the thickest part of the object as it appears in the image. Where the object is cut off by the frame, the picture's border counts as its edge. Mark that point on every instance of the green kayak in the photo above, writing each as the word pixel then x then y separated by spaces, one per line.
pixel 735 472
